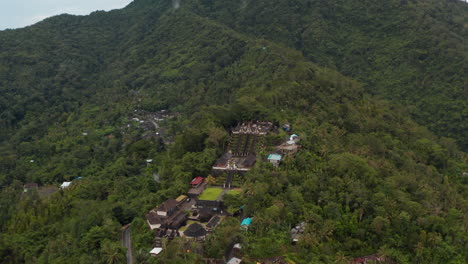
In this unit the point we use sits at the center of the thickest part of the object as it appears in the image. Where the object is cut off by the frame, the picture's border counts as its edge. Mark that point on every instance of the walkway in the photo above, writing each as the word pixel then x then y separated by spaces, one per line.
pixel 220 197
pixel 127 242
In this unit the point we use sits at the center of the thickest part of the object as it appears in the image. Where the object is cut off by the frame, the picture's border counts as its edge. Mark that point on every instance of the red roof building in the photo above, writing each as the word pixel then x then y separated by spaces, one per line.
pixel 195 182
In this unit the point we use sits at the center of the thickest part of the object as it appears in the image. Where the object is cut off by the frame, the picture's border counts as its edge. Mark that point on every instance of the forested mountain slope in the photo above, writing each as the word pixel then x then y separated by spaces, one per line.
pixel 368 178
pixel 412 52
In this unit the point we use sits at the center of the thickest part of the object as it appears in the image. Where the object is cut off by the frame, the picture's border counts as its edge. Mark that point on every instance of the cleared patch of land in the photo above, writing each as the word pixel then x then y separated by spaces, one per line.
pixel 210 194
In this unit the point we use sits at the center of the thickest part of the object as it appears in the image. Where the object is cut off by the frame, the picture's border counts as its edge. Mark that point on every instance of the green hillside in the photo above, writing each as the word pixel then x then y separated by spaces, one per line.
pixel 410 52
pixel 367 180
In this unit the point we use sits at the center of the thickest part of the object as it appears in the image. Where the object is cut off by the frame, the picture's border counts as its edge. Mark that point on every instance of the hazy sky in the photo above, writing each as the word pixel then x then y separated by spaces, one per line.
pixel 21 13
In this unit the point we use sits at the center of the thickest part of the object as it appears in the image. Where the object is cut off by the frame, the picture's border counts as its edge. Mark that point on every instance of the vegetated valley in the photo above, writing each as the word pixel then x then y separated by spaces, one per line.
pixel 289 131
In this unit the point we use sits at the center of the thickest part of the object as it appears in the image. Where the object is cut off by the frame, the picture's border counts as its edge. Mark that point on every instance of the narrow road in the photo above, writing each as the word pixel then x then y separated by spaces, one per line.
pixel 127 242
pixel 220 197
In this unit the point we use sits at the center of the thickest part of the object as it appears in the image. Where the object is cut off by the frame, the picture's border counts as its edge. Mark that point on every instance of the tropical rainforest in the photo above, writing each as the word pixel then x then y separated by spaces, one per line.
pixel 375 89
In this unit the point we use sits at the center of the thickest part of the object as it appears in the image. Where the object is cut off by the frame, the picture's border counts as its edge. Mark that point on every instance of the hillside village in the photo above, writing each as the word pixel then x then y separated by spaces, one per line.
pixel 196 214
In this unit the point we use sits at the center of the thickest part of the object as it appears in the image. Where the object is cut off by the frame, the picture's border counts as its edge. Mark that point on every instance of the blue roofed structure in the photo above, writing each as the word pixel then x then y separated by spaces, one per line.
pixel 275 159
pixel 246 222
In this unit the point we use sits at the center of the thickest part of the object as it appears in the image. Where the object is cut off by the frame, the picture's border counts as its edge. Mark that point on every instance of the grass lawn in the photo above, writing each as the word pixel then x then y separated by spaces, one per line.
pixel 234 192
pixel 210 194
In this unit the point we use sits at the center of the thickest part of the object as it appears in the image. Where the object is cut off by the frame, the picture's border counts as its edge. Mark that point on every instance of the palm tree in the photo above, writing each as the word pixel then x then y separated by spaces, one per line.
pixel 419 250
pixel 340 258
pixel 385 253
pixel 113 253
pixel 141 257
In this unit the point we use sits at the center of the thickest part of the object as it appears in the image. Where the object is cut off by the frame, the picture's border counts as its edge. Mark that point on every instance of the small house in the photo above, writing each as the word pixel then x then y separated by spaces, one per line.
pixel 246 222
pixel 196 182
pixel 65 185
pixel 236 250
pixel 295 138
pixel 297 232
pixel 155 251
pixel 167 208
pixel 275 159
pixel 154 220
pixel 288 149
pixel 181 198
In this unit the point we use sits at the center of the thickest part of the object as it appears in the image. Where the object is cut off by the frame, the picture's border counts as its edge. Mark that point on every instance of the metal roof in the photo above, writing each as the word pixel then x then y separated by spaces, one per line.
pixel 246 221
pixel 274 157
pixel 156 250
pixel 196 181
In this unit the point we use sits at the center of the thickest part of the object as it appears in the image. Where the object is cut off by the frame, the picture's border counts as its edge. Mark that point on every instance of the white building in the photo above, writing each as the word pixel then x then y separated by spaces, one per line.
pixel 65 185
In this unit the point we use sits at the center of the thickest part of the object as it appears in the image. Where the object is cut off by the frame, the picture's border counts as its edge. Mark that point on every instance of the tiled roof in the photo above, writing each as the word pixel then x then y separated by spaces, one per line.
pixel 168 205
pixel 154 219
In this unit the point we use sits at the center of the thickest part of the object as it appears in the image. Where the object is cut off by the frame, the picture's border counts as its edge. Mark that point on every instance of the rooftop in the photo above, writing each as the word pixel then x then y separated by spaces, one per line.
pixel 246 222
pixel 177 219
pixel 181 198
pixel 156 250
pixel 195 230
pixel 196 191
pixel 274 157
pixel 213 222
pixel 154 219
pixel 168 205
pixel 65 185
pixel 197 180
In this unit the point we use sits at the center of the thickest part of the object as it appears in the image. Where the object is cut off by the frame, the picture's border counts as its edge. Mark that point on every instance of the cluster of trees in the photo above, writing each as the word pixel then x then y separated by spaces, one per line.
pixel 368 179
